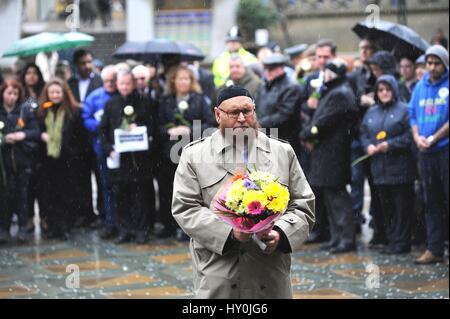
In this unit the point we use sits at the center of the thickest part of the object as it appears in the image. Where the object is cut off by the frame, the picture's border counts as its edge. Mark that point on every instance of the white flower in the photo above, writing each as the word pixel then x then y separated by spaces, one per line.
pixel 34 105
pixel 314 130
pixel 2 125
pixel 305 65
pixel 264 177
pixel 229 83
pixel 316 83
pixel 183 105
pixel 128 110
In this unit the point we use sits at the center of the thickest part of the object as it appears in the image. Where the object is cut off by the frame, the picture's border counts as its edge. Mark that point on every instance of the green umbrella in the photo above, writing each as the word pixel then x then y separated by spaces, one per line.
pixel 46 42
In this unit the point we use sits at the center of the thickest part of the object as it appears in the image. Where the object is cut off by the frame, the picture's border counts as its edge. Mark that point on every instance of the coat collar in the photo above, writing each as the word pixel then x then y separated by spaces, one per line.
pixel 226 156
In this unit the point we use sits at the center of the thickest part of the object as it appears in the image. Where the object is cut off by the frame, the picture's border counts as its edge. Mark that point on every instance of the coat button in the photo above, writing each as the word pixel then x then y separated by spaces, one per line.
pixel 233 286
pixel 262 287
pixel 291 220
pixel 242 251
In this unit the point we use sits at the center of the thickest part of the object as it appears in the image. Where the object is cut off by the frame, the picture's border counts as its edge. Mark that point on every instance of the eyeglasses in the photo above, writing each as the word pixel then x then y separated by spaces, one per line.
pixel 236 113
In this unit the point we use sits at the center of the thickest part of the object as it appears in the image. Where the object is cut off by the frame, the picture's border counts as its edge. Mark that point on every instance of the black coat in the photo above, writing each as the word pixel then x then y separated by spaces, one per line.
pixel 362 82
pixel 70 172
pixel 199 109
pixel 96 82
pixel 277 106
pixel 206 81
pixel 396 166
pixel 134 166
pixel 74 136
pixel 334 118
pixel 22 154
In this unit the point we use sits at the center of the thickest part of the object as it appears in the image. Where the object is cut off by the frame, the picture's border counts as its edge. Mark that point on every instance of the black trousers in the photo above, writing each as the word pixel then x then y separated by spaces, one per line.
pixel 321 226
pixel 131 201
pixel 166 174
pixel 14 198
pixel 397 208
pixel 58 186
pixel 434 176
pixel 340 215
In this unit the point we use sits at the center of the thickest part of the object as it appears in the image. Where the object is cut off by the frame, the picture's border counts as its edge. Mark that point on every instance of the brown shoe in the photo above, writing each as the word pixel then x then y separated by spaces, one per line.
pixel 428 258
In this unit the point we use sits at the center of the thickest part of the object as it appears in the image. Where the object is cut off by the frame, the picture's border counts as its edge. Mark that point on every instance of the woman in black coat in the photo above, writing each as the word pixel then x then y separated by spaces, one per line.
pixel 386 137
pixel 128 110
pixel 19 134
pixel 65 139
pixel 33 83
pixel 179 107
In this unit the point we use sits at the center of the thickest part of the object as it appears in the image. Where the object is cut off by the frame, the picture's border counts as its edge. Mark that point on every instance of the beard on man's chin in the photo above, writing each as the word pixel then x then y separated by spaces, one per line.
pixel 240 130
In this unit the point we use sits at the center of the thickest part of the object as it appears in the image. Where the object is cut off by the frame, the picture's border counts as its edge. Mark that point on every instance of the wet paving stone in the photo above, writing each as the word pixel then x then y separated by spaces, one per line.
pixel 162 269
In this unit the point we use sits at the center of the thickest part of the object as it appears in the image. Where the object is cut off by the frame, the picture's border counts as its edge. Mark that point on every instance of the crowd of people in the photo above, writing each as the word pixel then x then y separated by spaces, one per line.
pixel 378 118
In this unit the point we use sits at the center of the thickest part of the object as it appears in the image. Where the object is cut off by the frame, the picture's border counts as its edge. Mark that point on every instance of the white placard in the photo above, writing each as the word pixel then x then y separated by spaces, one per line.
pixel 134 140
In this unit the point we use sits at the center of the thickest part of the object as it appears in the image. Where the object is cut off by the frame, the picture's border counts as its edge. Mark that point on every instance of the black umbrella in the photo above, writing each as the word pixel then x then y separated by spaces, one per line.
pixel 396 38
pixel 157 48
pixel 190 52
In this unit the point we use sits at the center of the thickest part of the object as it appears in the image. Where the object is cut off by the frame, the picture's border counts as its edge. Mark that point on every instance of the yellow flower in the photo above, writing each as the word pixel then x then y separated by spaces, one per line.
pixel 381 135
pixel 235 194
pixel 277 195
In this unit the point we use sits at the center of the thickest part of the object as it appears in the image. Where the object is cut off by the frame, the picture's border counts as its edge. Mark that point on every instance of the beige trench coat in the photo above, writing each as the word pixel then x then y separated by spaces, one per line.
pixel 242 271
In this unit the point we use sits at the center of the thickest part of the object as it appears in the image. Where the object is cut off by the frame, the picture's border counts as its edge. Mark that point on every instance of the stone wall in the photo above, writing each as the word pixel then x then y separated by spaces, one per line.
pixel 308 26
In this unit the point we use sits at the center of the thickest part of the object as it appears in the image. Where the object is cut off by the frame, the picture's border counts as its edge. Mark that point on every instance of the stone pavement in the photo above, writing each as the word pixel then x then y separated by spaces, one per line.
pixel 162 269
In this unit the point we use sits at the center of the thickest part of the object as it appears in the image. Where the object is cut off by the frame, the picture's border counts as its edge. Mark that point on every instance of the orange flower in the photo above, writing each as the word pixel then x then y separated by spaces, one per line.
pixel 20 123
pixel 237 177
pixel 47 105
pixel 381 135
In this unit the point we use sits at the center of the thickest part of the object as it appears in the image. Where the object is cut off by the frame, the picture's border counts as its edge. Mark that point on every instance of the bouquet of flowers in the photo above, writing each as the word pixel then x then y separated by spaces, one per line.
pixel 252 203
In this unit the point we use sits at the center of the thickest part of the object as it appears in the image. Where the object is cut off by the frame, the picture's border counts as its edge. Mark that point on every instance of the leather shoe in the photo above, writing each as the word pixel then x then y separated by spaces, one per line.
pixel 141 237
pixel 428 258
pixel 340 249
pixel 316 238
pixel 123 238
pixel 108 233
pixel 328 245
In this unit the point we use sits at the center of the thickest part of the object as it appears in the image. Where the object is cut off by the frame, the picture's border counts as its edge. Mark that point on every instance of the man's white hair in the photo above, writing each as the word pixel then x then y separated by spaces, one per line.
pixel 122 67
pixel 107 70
pixel 140 69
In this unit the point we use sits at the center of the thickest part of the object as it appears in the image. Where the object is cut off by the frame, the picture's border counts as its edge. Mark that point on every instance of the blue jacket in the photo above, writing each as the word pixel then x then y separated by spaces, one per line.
pixel 428 108
pixel 92 113
pixel 396 166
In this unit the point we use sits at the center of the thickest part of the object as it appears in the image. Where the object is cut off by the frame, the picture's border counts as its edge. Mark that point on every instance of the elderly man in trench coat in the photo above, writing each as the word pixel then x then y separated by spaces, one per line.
pixel 226 262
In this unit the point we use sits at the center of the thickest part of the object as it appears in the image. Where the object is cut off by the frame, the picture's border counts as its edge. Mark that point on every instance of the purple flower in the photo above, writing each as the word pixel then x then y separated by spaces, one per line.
pixel 249 184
